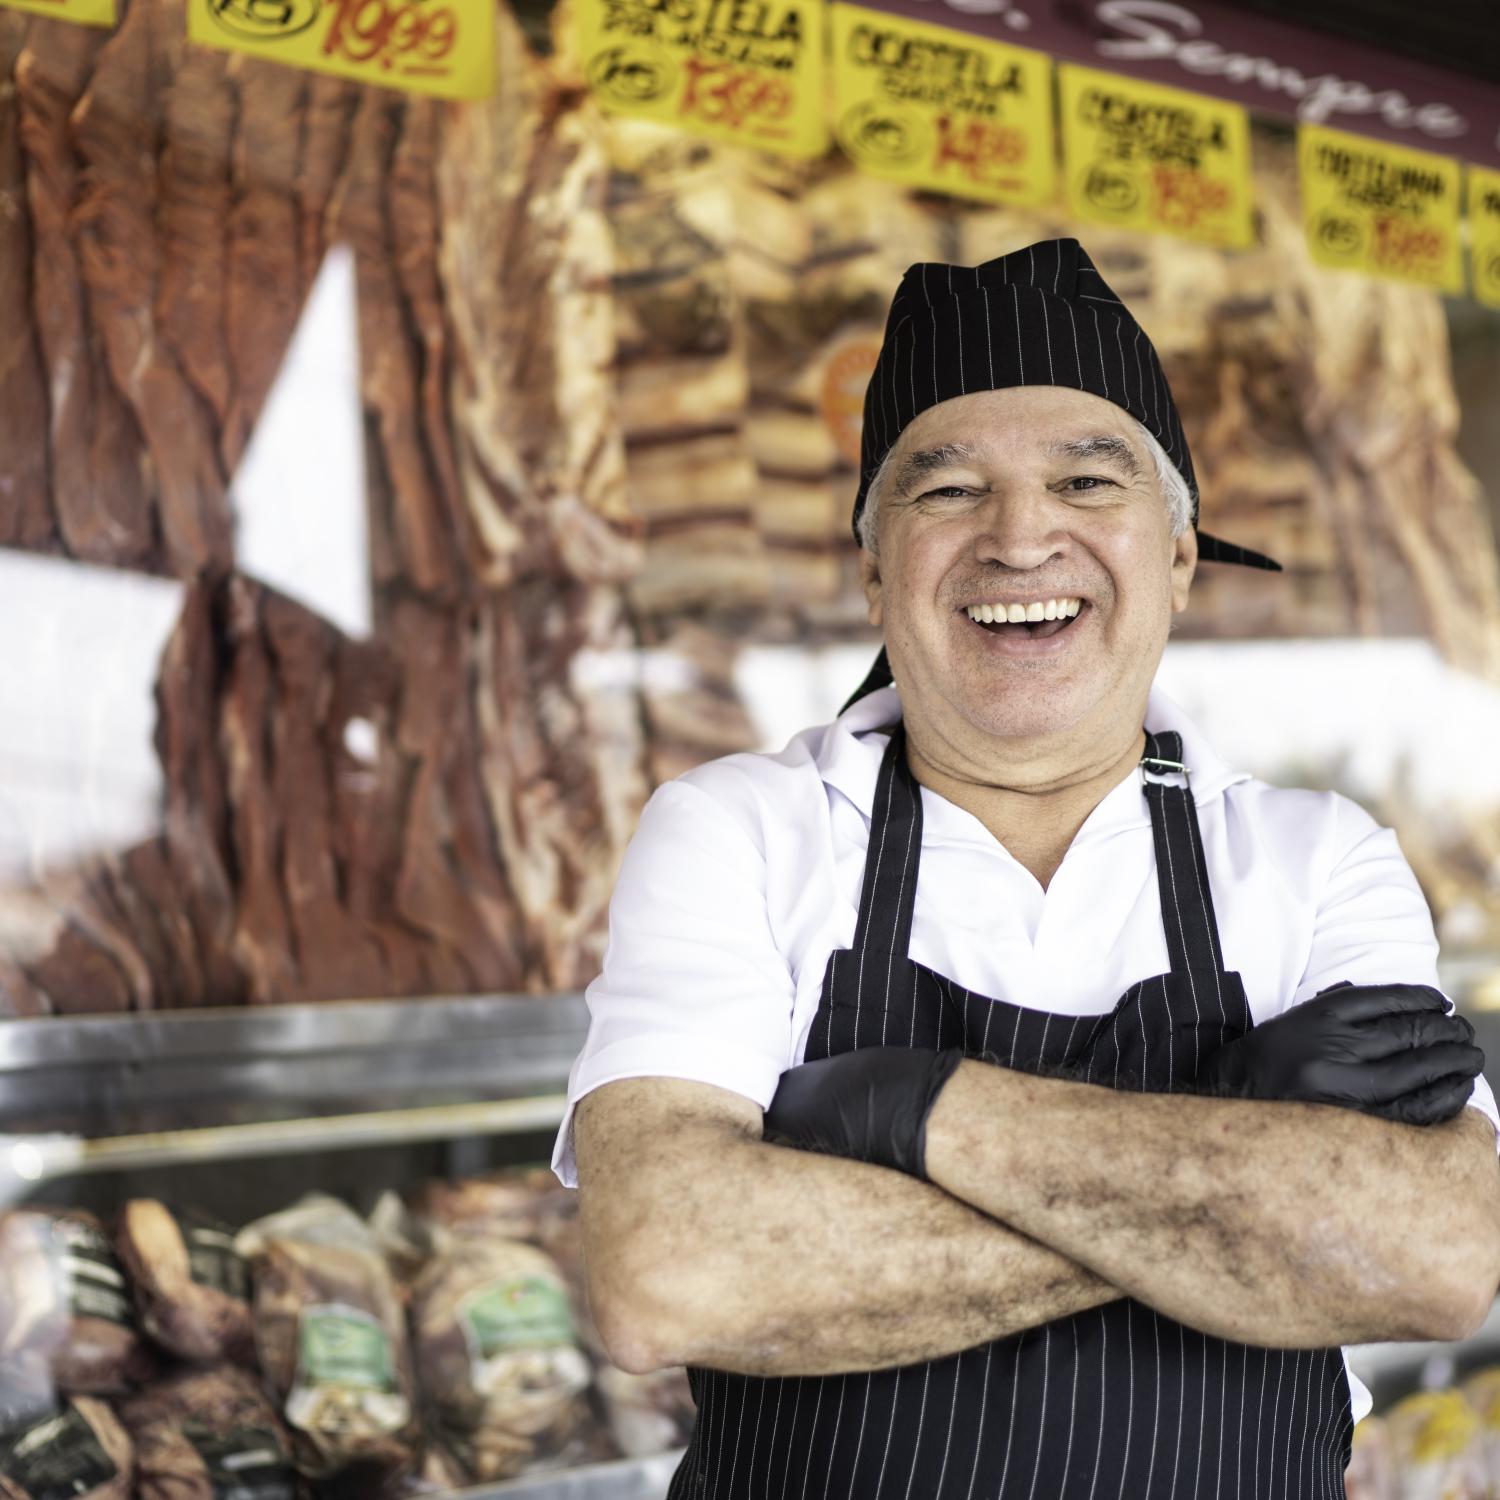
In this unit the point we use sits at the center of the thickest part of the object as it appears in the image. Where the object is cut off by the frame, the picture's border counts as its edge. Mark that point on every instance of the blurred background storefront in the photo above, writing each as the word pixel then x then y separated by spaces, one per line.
pixel 394 490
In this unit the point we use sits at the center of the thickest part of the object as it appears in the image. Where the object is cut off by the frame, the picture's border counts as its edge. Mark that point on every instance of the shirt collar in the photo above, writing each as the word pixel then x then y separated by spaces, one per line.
pixel 849 760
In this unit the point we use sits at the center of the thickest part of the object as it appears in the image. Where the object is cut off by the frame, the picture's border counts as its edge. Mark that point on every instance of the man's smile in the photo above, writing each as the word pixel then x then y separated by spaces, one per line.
pixel 1036 627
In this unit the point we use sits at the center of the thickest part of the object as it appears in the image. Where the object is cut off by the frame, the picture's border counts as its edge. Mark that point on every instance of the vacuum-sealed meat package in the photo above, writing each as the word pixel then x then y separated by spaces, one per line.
pixel 498 1360
pixel 647 1413
pixel 209 1434
pixel 80 1452
pixel 331 1336
pixel 191 1285
pixel 1436 1448
pixel 64 1296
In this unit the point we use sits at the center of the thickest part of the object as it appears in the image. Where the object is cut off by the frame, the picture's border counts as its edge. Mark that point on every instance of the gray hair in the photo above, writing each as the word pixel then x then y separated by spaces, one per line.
pixel 1174 489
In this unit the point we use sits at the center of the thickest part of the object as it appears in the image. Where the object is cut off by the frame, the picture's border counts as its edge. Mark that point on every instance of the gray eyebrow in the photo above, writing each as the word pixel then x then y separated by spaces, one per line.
pixel 1099 447
pixel 916 466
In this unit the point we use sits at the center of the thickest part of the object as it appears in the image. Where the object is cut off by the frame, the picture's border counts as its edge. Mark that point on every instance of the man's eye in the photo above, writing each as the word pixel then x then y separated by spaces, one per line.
pixel 1090 480
pixel 946 491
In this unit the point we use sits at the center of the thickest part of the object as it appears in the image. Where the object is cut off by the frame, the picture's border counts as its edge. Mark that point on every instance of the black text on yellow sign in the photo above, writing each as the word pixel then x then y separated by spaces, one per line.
pixel 940 109
pixel 1484 234
pixel 443 47
pixel 746 71
pixel 1383 210
pixel 82 12
pixel 1146 157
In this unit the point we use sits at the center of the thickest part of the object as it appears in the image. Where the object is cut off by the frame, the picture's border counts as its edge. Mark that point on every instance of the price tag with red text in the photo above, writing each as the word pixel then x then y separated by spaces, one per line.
pixel 444 47
pixel 1144 156
pixel 941 109
pixel 82 12
pixel 747 71
pixel 1484 234
pixel 1383 210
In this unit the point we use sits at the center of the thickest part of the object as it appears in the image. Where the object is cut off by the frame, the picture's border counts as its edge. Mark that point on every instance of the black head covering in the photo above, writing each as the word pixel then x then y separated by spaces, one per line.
pixel 1039 316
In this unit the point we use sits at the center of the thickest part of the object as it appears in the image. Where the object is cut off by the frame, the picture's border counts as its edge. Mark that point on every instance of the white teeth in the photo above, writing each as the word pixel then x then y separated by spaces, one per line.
pixel 1052 609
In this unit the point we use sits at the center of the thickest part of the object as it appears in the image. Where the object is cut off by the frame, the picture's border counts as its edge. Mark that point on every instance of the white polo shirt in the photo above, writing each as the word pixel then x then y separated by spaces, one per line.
pixel 745 874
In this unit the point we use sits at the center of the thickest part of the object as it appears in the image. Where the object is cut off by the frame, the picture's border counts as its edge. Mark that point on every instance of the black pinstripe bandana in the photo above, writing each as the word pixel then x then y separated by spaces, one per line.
pixel 1040 316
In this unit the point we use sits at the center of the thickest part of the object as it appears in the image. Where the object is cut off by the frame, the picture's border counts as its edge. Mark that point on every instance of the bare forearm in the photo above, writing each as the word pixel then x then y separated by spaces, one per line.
pixel 1275 1223
pixel 784 1262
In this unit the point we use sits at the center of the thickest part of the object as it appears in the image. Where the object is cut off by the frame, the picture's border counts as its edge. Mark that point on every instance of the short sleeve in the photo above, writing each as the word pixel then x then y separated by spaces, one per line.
pixel 693 985
pixel 1374 925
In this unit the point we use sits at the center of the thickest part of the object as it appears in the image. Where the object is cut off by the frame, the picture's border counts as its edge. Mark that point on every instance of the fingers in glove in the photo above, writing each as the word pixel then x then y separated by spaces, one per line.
pixel 1366 1002
pixel 1437 1102
pixel 1396 1076
pixel 1388 1035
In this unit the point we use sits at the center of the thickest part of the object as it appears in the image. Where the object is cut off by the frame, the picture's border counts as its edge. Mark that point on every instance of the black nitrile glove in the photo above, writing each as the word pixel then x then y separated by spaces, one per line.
pixel 1386 1049
pixel 871 1105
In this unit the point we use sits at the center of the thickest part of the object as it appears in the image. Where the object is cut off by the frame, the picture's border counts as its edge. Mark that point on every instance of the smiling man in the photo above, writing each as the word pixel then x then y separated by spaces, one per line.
pixel 994 1093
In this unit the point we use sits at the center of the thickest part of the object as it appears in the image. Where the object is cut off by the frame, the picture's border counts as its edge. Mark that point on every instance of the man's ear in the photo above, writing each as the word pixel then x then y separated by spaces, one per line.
pixel 869 578
pixel 1184 566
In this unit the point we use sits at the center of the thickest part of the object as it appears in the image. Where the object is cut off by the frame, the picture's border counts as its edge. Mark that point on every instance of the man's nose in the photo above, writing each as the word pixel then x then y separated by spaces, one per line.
pixel 1018 530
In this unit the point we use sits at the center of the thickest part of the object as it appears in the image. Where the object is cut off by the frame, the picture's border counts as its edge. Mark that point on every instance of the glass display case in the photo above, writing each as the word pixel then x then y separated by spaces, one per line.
pixel 320 1242
pixel 307 1250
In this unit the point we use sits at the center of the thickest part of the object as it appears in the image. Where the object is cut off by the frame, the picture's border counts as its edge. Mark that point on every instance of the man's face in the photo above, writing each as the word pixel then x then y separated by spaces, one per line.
pixel 1020 496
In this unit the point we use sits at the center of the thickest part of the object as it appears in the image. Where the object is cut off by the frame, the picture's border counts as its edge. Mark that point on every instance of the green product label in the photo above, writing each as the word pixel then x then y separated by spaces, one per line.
pixel 522 1312
pixel 340 1345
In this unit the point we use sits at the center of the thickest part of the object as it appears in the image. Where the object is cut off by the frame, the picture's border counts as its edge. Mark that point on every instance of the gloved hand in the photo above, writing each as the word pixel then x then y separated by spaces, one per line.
pixel 1386 1049
pixel 871 1105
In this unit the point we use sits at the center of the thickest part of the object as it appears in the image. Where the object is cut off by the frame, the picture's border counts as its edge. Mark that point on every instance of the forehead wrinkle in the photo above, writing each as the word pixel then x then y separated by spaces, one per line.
pixel 1098 447
pixel 916 466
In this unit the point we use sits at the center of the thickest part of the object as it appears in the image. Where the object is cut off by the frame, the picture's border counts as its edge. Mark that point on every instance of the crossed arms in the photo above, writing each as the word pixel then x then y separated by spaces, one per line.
pixel 1284 1224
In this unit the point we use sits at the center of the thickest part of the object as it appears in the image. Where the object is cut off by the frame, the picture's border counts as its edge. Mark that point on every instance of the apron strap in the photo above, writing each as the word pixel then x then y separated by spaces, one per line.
pixel 895 850
pixel 890 880
pixel 1187 907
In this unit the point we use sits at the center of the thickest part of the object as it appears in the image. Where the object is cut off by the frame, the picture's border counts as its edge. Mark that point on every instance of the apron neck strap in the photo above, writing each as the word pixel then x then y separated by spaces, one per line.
pixel 894 853
pixel 1187 906
pixel 895 849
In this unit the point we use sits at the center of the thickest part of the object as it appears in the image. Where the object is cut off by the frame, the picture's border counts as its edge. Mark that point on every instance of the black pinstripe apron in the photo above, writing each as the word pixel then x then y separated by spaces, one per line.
pixel 1116 1403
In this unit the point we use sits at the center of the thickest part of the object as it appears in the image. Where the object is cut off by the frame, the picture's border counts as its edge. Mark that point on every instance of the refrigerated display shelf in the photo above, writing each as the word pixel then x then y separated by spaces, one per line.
pixel 624 1479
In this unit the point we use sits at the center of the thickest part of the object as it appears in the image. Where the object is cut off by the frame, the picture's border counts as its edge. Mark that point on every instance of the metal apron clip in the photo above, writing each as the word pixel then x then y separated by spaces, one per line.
pixel 1170 765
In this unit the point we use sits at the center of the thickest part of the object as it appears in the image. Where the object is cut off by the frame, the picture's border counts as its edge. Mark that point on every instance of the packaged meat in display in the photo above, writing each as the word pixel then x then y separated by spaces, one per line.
pixel 332 1342
pixel 209 1435
pixel 646 1413
pixel 497 1357
pixel 27 1393
pixel 1371 1474
pixel 1482 1391
pixel 80 1452
pixel 1436 1448
pixel 517 1204
pixel 63 1296
pixel 192 1287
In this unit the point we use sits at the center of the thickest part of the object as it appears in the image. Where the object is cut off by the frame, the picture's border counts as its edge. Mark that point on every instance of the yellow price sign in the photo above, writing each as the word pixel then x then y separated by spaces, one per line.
pixel 1383 210
pixel 941 109
pixel 443 47
pixel 1484 234
pixel 746 71
pixel 1147 157
pixel 82 12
